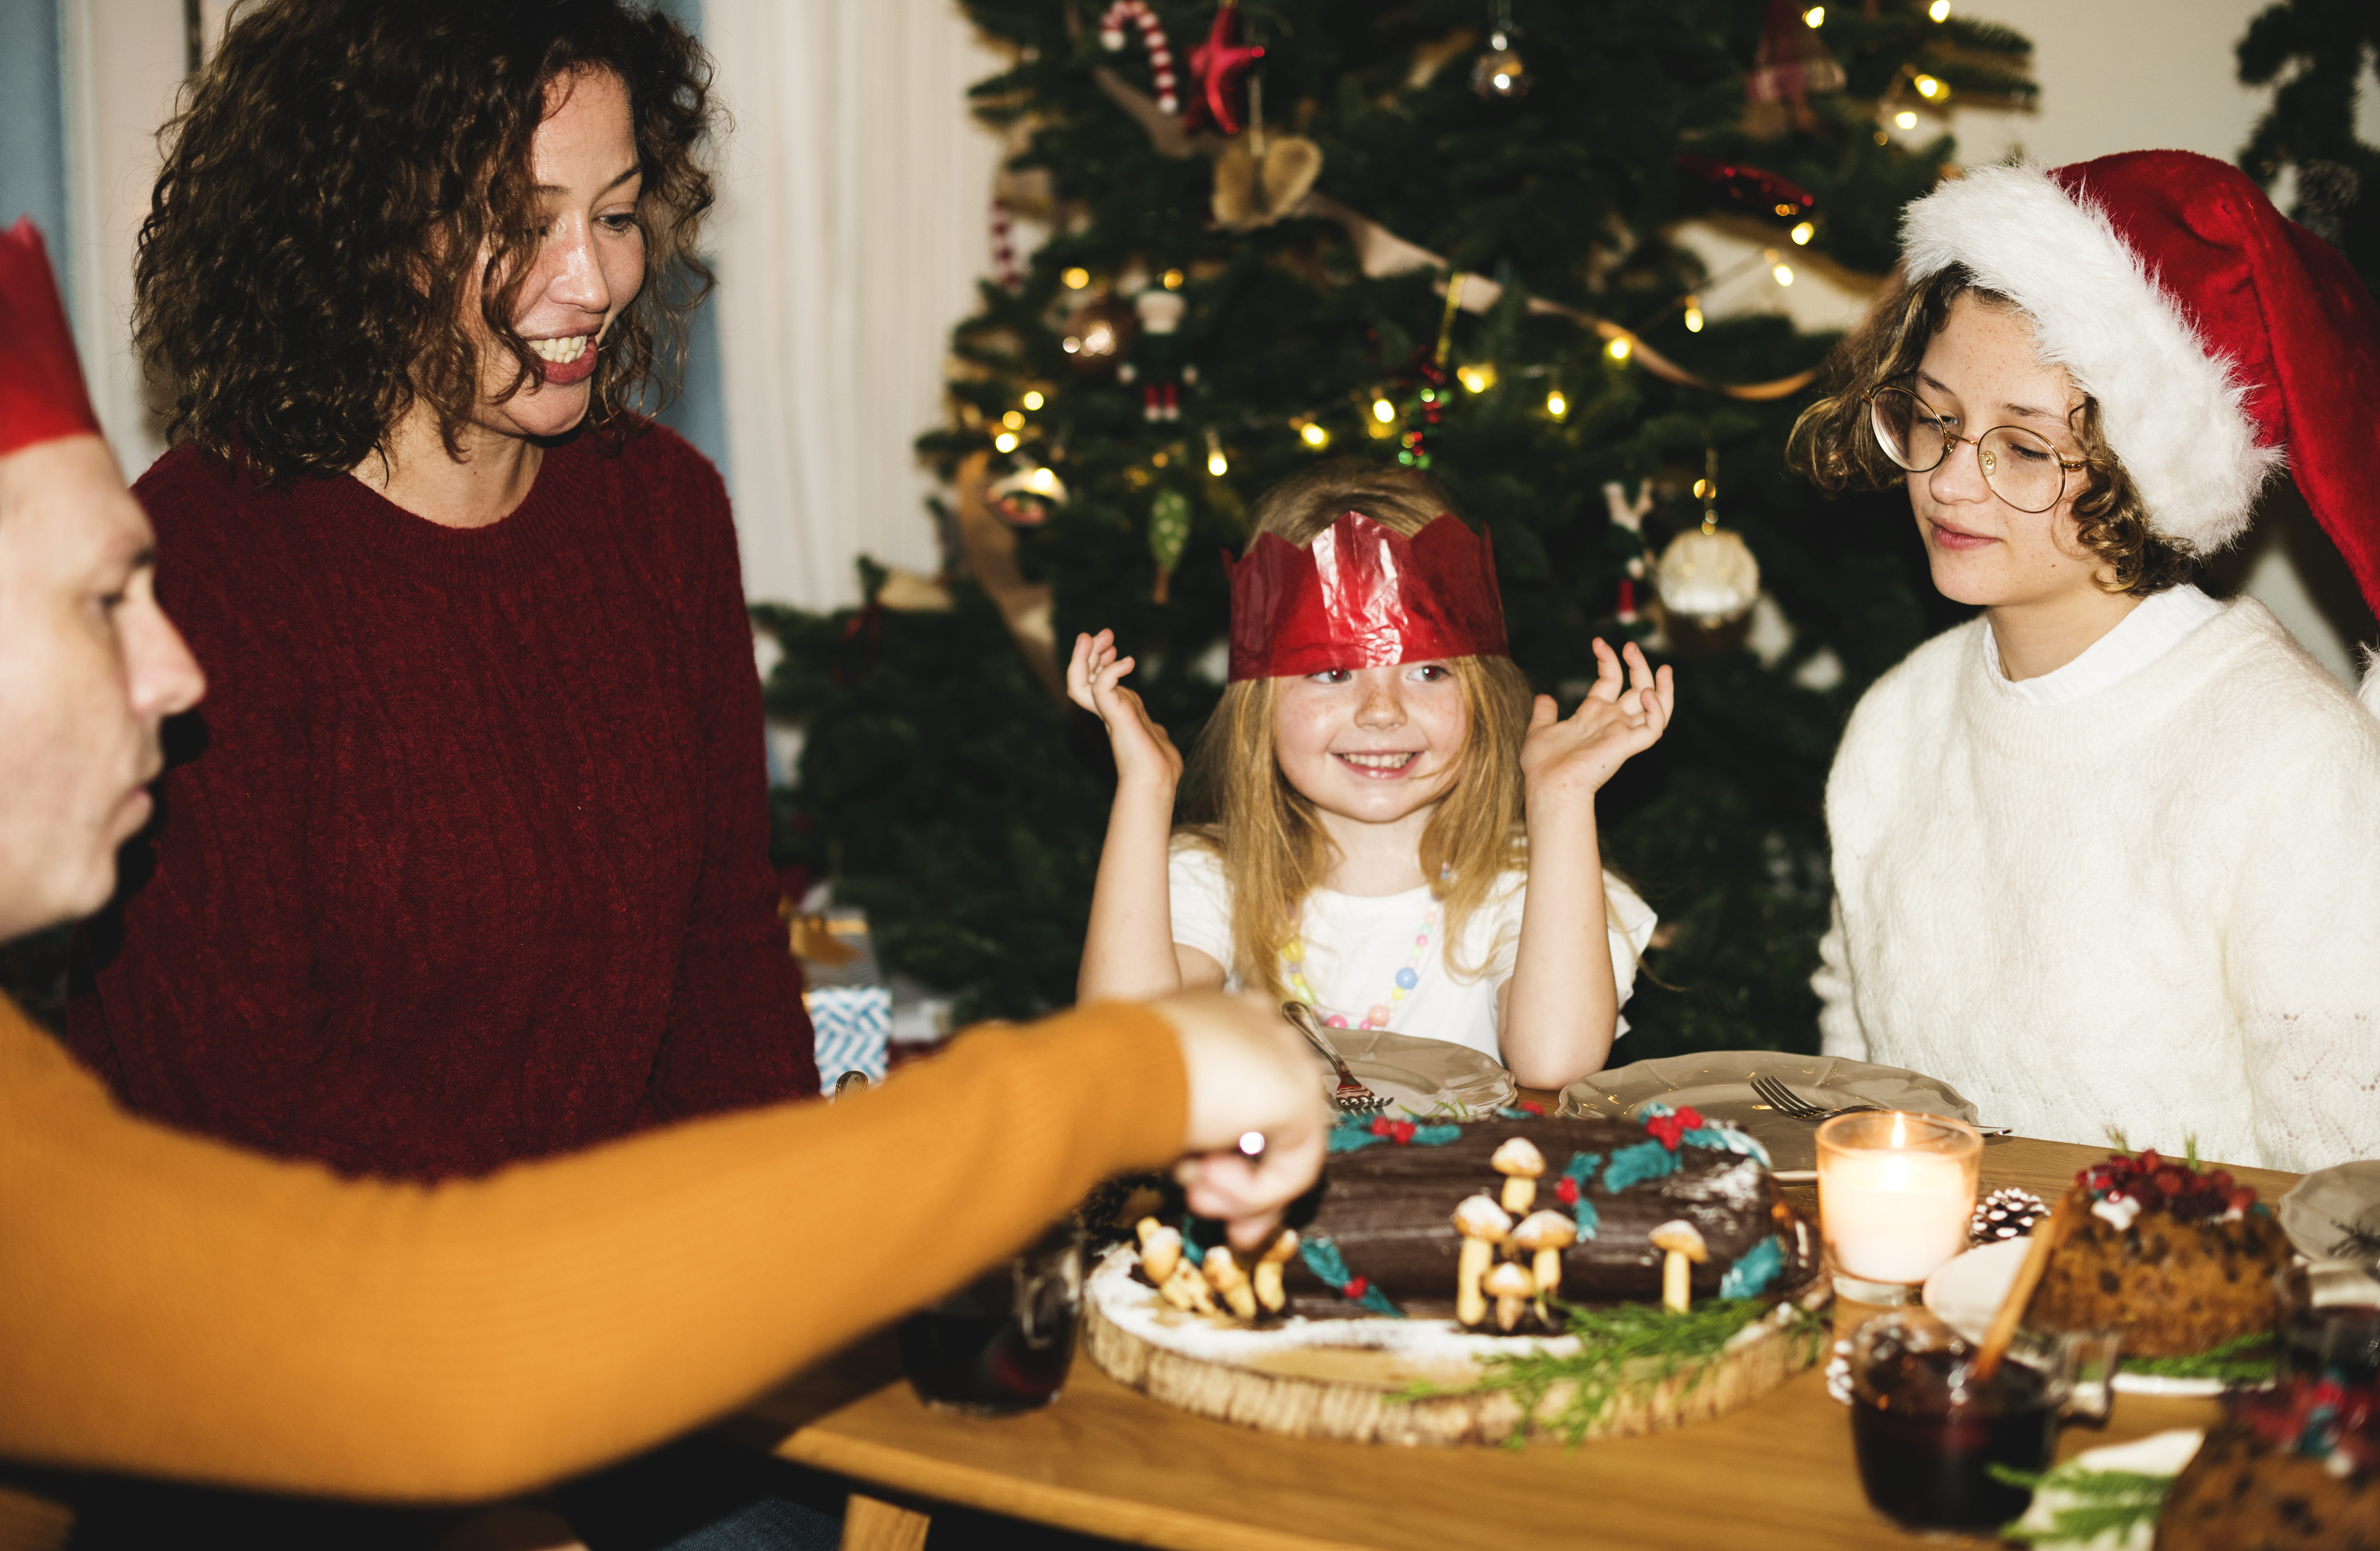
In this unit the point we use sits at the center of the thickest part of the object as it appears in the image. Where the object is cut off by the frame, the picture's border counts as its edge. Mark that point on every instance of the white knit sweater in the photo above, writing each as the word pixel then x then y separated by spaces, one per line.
pixel 2154 909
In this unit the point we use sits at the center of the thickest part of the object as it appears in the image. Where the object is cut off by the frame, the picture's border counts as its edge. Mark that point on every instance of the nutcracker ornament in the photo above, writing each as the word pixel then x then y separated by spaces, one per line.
pixel 1158 360
pixel 1625 539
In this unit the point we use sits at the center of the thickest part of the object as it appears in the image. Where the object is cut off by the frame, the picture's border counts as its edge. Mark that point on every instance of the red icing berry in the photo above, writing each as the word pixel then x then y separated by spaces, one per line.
pixel 1401 1131
pixel 1382 1125
pixel 1669 1128
pixel 1356 1286
pixel 1690 1117
pixel 1566 1191
pixel 1534 1108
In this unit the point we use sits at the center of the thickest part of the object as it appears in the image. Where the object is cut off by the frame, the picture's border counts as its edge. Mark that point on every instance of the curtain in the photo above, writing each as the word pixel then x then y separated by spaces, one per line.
pixel 852 229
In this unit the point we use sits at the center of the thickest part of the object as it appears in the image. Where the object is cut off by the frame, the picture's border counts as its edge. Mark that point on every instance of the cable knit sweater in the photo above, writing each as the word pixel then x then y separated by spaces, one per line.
pixel 469 862
pixel 2155 909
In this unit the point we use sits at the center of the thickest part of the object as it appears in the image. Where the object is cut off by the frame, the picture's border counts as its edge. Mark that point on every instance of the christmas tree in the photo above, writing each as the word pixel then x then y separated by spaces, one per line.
pixel 2318 51
pixel 1250 267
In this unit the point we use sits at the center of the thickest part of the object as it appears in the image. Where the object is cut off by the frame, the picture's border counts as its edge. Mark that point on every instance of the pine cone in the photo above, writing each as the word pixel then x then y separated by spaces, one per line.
pixel 2006 1213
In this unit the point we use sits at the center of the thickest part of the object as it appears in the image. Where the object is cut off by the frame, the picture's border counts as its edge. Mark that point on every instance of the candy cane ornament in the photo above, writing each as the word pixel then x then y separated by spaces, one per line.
pixel 1152 32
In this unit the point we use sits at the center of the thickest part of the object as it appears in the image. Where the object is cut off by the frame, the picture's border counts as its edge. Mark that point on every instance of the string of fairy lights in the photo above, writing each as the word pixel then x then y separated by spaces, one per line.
pixel 1374 412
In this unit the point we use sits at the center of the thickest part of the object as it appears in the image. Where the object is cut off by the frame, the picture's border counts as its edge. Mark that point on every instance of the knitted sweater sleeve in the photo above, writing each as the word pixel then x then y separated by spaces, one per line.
pixel 179 1308
pixel 1839 1026
pixel 736 1033
pixel 2303 949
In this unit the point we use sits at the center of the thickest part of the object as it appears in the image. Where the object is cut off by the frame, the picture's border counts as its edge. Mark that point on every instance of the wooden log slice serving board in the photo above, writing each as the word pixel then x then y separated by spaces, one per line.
pixel 1342 1378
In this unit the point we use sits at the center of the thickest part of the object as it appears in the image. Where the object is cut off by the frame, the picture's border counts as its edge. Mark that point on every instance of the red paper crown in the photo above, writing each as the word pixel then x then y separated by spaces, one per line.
pixel 1363 596
pixel 42 396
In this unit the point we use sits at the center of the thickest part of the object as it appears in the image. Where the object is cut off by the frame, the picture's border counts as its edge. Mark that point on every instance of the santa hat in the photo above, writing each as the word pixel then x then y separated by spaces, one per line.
pixel 2222 341
pixel 42 396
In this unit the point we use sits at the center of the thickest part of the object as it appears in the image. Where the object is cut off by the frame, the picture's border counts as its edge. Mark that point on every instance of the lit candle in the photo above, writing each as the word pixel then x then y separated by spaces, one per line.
pixel 1895 1193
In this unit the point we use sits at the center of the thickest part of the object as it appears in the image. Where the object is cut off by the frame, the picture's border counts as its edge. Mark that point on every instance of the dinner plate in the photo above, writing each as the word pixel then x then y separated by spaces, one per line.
pixel 2334 1213
pixel 1965 1293
pixel 1718 1083
pixel 1424 1075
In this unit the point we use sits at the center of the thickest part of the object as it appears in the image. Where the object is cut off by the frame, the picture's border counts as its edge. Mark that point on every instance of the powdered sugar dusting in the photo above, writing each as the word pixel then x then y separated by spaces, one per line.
pixel 1438 1344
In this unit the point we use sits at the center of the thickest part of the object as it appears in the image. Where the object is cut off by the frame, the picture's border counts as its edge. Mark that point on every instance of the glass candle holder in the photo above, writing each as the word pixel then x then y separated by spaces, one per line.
pixel 1895 1193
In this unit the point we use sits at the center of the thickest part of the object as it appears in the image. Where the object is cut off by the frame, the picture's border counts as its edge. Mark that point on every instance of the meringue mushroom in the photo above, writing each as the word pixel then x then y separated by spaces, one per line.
pixel 1483 1225
pixel 1683 1249
pixel 1521 1165
pixel 1269 1292
pixel 1545 1235
pixel 1512 1286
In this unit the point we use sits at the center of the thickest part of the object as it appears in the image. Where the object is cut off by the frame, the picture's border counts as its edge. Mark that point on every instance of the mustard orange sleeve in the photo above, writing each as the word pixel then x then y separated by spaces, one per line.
pixel 173 1307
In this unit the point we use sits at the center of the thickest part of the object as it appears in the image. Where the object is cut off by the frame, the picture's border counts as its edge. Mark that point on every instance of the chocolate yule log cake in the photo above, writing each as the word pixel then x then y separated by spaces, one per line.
pixel 1488 1218
pixel 2178 1258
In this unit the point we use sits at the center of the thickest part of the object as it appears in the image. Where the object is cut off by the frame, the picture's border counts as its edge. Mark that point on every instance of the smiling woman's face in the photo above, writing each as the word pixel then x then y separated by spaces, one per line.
pixel 590 263
pixel 1980 372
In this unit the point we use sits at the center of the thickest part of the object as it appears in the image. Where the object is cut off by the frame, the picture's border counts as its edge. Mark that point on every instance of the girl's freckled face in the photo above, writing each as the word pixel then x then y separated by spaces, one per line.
pixel 1982 370
pixel 1374 745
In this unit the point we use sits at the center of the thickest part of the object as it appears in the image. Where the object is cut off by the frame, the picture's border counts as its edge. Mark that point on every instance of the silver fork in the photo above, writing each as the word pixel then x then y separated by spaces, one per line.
pixel 1779 1097
pixel 1353 1097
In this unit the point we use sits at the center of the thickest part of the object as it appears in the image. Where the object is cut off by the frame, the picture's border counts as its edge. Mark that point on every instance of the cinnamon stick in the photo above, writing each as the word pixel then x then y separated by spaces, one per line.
pixel 2046 1240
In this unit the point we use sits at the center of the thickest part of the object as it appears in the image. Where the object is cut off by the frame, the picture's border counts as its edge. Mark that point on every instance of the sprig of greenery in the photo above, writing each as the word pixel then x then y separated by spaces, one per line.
pixel 2105 1501
pixel 1625 1343
pixel 2227 1362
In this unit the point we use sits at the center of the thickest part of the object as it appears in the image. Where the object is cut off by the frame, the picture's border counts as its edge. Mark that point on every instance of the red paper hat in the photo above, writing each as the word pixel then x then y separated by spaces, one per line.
pixel 2222 340
pixel 1363 596
pixel 42 396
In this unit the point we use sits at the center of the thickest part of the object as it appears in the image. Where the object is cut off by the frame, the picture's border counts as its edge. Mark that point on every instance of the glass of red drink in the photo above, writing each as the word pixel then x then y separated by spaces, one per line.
pixel 1927 1430
pixel 2328 1321
pixel 1001 1344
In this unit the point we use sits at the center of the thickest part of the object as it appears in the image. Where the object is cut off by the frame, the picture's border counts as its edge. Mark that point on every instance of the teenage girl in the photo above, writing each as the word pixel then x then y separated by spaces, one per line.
pixel 1397 834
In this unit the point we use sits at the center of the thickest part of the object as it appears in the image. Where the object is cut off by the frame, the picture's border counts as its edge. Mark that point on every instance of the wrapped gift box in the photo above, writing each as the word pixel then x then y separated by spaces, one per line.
pixel 850 1006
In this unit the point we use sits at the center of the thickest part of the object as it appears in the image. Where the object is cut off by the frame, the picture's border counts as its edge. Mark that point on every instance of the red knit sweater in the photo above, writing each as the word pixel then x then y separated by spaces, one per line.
pixel 466 859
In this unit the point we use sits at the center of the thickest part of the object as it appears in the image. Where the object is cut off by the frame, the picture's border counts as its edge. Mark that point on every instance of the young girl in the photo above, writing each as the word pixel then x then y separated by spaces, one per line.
pixel 1379 784
pixel 2108 855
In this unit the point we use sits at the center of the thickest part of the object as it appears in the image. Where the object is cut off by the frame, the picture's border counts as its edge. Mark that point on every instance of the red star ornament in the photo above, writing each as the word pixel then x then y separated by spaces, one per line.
pixel 1219 62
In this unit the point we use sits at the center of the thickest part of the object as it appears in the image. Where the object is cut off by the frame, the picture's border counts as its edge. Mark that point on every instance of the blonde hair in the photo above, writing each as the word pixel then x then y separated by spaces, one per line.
pixel 1264 831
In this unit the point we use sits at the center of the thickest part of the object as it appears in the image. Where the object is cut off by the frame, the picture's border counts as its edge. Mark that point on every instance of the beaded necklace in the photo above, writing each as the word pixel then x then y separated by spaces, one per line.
pixel 1293 963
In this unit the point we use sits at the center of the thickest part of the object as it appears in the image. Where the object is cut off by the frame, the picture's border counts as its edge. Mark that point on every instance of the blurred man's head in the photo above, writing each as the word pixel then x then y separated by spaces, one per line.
pixel 90 667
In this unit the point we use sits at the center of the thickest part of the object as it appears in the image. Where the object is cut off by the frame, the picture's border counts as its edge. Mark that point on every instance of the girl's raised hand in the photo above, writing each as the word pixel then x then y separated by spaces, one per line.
pixel 1625 714
pixel 1095 682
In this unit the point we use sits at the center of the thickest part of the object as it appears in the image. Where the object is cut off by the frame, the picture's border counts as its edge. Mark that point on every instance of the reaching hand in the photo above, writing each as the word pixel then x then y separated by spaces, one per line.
pixel 1095 682
pixel 1246 1073
pixel 1570 760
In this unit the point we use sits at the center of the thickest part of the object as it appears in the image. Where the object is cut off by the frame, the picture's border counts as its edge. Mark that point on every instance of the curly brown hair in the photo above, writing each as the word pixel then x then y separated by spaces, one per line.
pixel 1833 447
pixel 346 172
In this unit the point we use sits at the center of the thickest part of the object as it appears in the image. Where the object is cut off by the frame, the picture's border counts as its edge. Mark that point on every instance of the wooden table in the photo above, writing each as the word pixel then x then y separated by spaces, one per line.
pixel 1106 1460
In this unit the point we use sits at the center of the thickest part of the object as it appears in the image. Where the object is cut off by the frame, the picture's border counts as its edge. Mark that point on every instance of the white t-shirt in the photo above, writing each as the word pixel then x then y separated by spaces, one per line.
pixel 1355 947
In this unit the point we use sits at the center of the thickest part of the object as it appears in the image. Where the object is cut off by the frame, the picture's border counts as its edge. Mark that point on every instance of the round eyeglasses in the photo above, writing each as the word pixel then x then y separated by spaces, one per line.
pixel 2022 468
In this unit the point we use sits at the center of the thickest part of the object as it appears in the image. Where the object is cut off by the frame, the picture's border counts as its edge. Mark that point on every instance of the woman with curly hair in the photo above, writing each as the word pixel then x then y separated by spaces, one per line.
pixel 2107 856
pixel 467 863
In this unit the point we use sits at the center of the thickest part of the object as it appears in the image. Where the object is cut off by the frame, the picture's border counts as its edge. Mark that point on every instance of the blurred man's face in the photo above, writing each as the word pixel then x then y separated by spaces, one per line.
pixel 90 667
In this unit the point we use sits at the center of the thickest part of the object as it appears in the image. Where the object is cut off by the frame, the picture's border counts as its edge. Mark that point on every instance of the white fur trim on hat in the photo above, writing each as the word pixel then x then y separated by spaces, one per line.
pixel 2173 412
